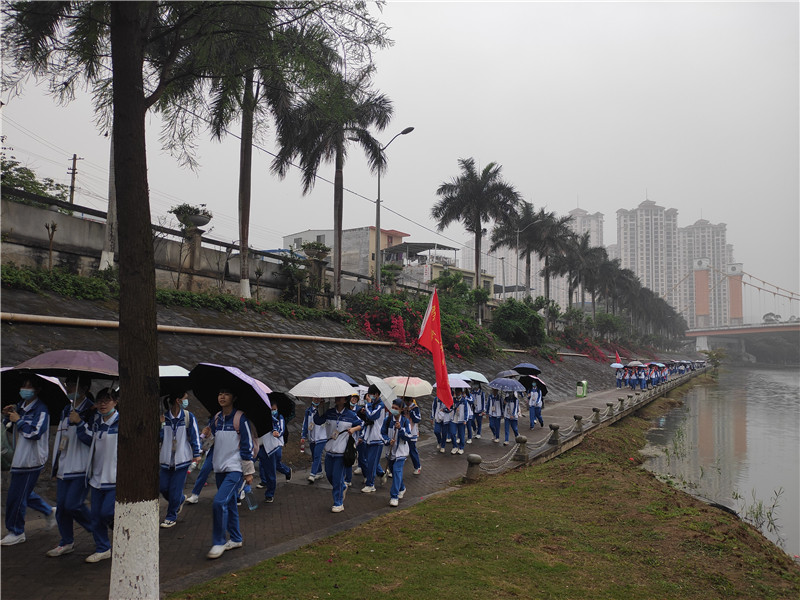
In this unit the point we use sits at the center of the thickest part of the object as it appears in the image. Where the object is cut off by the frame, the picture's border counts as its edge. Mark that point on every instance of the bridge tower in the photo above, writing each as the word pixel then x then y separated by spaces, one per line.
pixel 702 305
pixel 734 273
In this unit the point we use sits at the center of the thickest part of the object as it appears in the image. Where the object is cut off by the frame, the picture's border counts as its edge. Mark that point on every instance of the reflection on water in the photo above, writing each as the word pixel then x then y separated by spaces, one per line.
pixel 741 439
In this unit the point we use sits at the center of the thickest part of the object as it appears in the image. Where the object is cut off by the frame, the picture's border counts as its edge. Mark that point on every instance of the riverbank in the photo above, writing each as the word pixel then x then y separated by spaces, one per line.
pixel 589 524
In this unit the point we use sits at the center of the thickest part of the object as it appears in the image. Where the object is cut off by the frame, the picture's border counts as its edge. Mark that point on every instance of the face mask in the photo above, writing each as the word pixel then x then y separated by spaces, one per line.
pixel 26 394
pixel 394 411
pixel 109 413
pixel 274 413
pixel 184 403
pixel 315 404
pixel 73 396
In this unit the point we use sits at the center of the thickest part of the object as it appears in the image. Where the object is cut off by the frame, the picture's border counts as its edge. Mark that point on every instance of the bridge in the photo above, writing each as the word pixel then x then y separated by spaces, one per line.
pixel 774 343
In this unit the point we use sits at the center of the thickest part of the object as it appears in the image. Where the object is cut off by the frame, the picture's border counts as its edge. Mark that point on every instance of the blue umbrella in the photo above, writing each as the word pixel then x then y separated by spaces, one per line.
pixel 342 376
pixel 527 369
pixel 506 385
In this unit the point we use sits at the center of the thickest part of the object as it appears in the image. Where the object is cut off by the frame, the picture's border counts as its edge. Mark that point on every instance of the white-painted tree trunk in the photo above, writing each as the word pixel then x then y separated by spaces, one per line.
pixel 134 567
pixel 244 288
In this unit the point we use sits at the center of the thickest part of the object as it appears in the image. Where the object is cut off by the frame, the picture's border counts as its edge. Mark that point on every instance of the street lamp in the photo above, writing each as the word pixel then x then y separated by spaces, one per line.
pixel 378 216
pixel 516 287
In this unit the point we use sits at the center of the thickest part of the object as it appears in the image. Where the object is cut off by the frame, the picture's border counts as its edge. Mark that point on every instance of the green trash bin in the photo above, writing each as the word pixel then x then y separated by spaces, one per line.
pixel 583 387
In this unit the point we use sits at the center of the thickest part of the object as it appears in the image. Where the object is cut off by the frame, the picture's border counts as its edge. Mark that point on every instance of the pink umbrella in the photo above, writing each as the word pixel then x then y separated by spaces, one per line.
pixel 72 362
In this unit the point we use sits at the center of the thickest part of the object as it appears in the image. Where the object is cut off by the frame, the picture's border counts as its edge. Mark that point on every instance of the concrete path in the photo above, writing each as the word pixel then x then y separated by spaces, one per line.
pixel 299 515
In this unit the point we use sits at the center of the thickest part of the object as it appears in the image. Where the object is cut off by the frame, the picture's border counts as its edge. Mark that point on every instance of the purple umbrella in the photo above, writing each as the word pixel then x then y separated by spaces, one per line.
pixel 72 362
pixel 506 385
pixel 52 393
pixel 251 394
pixel 456 382
pixel 527 369
pixel 342 376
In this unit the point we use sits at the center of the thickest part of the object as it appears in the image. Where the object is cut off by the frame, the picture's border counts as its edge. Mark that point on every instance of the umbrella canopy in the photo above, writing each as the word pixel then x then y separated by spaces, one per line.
pixel 252 398
pixel 507 374
pixel 473 376
pixel 506 385
pixel 387 393
pixel 527 369
pixel 322 387
pixel 413 387
pixel 540 384
pixel 343 376
pixel 73 362
pixel 617 365
pixel 173 378
pixel 52 393
pixel 635 363
pixel 456 382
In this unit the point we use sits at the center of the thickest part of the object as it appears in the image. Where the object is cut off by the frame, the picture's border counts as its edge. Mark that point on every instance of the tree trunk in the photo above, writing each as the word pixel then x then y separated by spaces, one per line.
pixel 477 283
pixel 245 184
pixel 338 209
pixel 134 569
pixel 528 274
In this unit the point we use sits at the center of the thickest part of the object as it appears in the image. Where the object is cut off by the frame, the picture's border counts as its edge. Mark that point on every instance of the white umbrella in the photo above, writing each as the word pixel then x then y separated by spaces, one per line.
pixel 323 387
pixel 473 376
pixel 635 363
pixel 387 393
pixel 413 387
pixel 456 382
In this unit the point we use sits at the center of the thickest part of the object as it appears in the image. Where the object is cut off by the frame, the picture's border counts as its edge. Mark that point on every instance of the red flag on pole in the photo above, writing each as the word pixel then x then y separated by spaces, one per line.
pixel 617 355
pixel 430 337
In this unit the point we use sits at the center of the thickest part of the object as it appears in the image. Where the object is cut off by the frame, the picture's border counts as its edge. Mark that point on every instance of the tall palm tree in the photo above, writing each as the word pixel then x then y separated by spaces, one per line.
pixel 475 199
pixel 518 232
pixel 339 111
pixel 552 234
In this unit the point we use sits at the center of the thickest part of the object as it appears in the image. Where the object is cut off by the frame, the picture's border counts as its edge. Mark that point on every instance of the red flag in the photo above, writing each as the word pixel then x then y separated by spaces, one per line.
pixel 617 355
pixel 430 337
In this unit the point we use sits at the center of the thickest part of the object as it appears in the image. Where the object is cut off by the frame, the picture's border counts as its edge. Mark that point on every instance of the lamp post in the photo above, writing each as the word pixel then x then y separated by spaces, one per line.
pixel 516 286
pixel 503 262
pixel 378 216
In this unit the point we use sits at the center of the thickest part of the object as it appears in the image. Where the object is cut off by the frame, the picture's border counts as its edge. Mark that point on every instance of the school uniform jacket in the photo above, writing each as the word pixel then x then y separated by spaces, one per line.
pixel 233 452
pixel 460 410
pixel 375 412
pixel 495 405
pixel 479 401
pixel 535 398
pixel 511 407
pixel 399 448
pixel 443 414
pixel 414 418
pixel 101 472
pixel 180 441
pixel 32 435
pixel 310 431
pixel 268 441
pixel 69 453
pixel 335 423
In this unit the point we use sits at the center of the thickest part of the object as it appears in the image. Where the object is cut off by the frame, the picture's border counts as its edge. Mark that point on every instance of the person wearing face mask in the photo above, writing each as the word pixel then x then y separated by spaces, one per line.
pixel 397 428
pixel 269 455
pixel 339 423
pixel 495 409
pixel 458 426
pixel 69 466
pixel 316 437
pixel 101 434
pixel 30 423
pixel 479 408
pixel 374 414
pixel 414 416
pixel 348 471
pixel 180 447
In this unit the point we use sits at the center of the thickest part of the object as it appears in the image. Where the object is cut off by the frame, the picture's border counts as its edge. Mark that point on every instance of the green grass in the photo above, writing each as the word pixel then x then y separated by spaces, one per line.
pixel 590 524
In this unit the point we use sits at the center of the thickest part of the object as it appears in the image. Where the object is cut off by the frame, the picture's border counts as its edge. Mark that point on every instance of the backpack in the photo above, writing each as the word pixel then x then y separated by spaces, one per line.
pixel 237 418
pixel 349 456
pixel 7 449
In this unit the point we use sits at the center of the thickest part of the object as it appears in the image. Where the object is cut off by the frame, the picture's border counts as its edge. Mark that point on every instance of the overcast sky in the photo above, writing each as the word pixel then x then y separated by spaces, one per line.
pixel 598 105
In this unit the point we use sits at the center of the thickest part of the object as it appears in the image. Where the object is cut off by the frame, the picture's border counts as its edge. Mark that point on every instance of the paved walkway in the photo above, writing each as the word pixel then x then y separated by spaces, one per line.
pixel 299 515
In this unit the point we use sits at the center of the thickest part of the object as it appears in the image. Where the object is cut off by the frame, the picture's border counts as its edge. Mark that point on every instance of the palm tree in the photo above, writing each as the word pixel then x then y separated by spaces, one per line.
pixel 552 234
pixel 474 199
pixel 318 130
pixel 518 232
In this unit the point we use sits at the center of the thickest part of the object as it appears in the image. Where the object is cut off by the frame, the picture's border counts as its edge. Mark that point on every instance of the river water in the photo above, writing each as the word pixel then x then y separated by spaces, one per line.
pixel 738 443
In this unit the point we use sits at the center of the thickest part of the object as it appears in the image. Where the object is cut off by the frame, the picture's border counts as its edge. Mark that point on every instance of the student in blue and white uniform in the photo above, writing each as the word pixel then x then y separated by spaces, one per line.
pixel 443 419
pixel 348 471
pixel 511 414
pixel 535 404
pixel 30 427
pixel 619 378
pixel 233 460
pixel 414 416
pixel 180 447
pixel 70 460
pixel 495 409
pixel 316 437
pixel 337 421
pixel 207 445
pixel 642 379
pixel 101 435
pixel 397 428
pixel 458 426
pixel 479 407
pixel 470 424
pixel 268 453
pixel 373 415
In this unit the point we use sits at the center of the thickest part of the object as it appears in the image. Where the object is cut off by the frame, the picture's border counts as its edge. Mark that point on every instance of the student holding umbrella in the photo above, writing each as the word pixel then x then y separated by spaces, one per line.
pixel 373 414
pixel 397 429
pixel 495 409
pixel 337 421
pixel 29 422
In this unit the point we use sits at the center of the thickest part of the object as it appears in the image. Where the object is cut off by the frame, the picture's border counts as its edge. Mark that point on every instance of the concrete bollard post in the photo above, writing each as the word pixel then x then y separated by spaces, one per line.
pixel 554 440
pixel 621 404
pixel 521 455
pixel 473 468
pixel 610 406
pixel 596 415
pixel 630 399
pixel 578 423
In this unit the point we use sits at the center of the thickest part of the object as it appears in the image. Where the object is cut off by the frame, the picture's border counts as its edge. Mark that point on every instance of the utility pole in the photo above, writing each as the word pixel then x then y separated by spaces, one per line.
pixel 73 171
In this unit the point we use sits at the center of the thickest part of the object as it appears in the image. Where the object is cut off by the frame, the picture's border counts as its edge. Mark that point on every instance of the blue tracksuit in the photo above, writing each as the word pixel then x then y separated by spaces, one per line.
pixel 180 444
pixel 374 415
pixel 399 438
pixel 335 423
pixel 316 439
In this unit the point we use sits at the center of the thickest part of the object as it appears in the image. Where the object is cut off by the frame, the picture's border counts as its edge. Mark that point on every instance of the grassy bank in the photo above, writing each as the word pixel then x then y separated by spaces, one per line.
pixel 590 524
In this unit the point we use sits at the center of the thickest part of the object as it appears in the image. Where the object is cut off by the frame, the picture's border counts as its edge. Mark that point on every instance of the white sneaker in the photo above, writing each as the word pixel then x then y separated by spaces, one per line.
pixel 231 545
pixel 389 473
pixel 193 499
pixel 441 450
pixel 478 436
pixel 495 440
pixel 167 524
pixel 337 508
pixel 357 471
pixel 347 484
pixel 216 551
pixel 401 493
pixel 312 478
pixel 469 441
pixel 417 471
pixel 50 520
pixel 59 550
pixel 368 489
pixel 448 440
pixel 393 502
pixel 454 450
pixel 98 556
pixel 320 475
pixel 12 539
pixel 505 443
pixel 461 451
